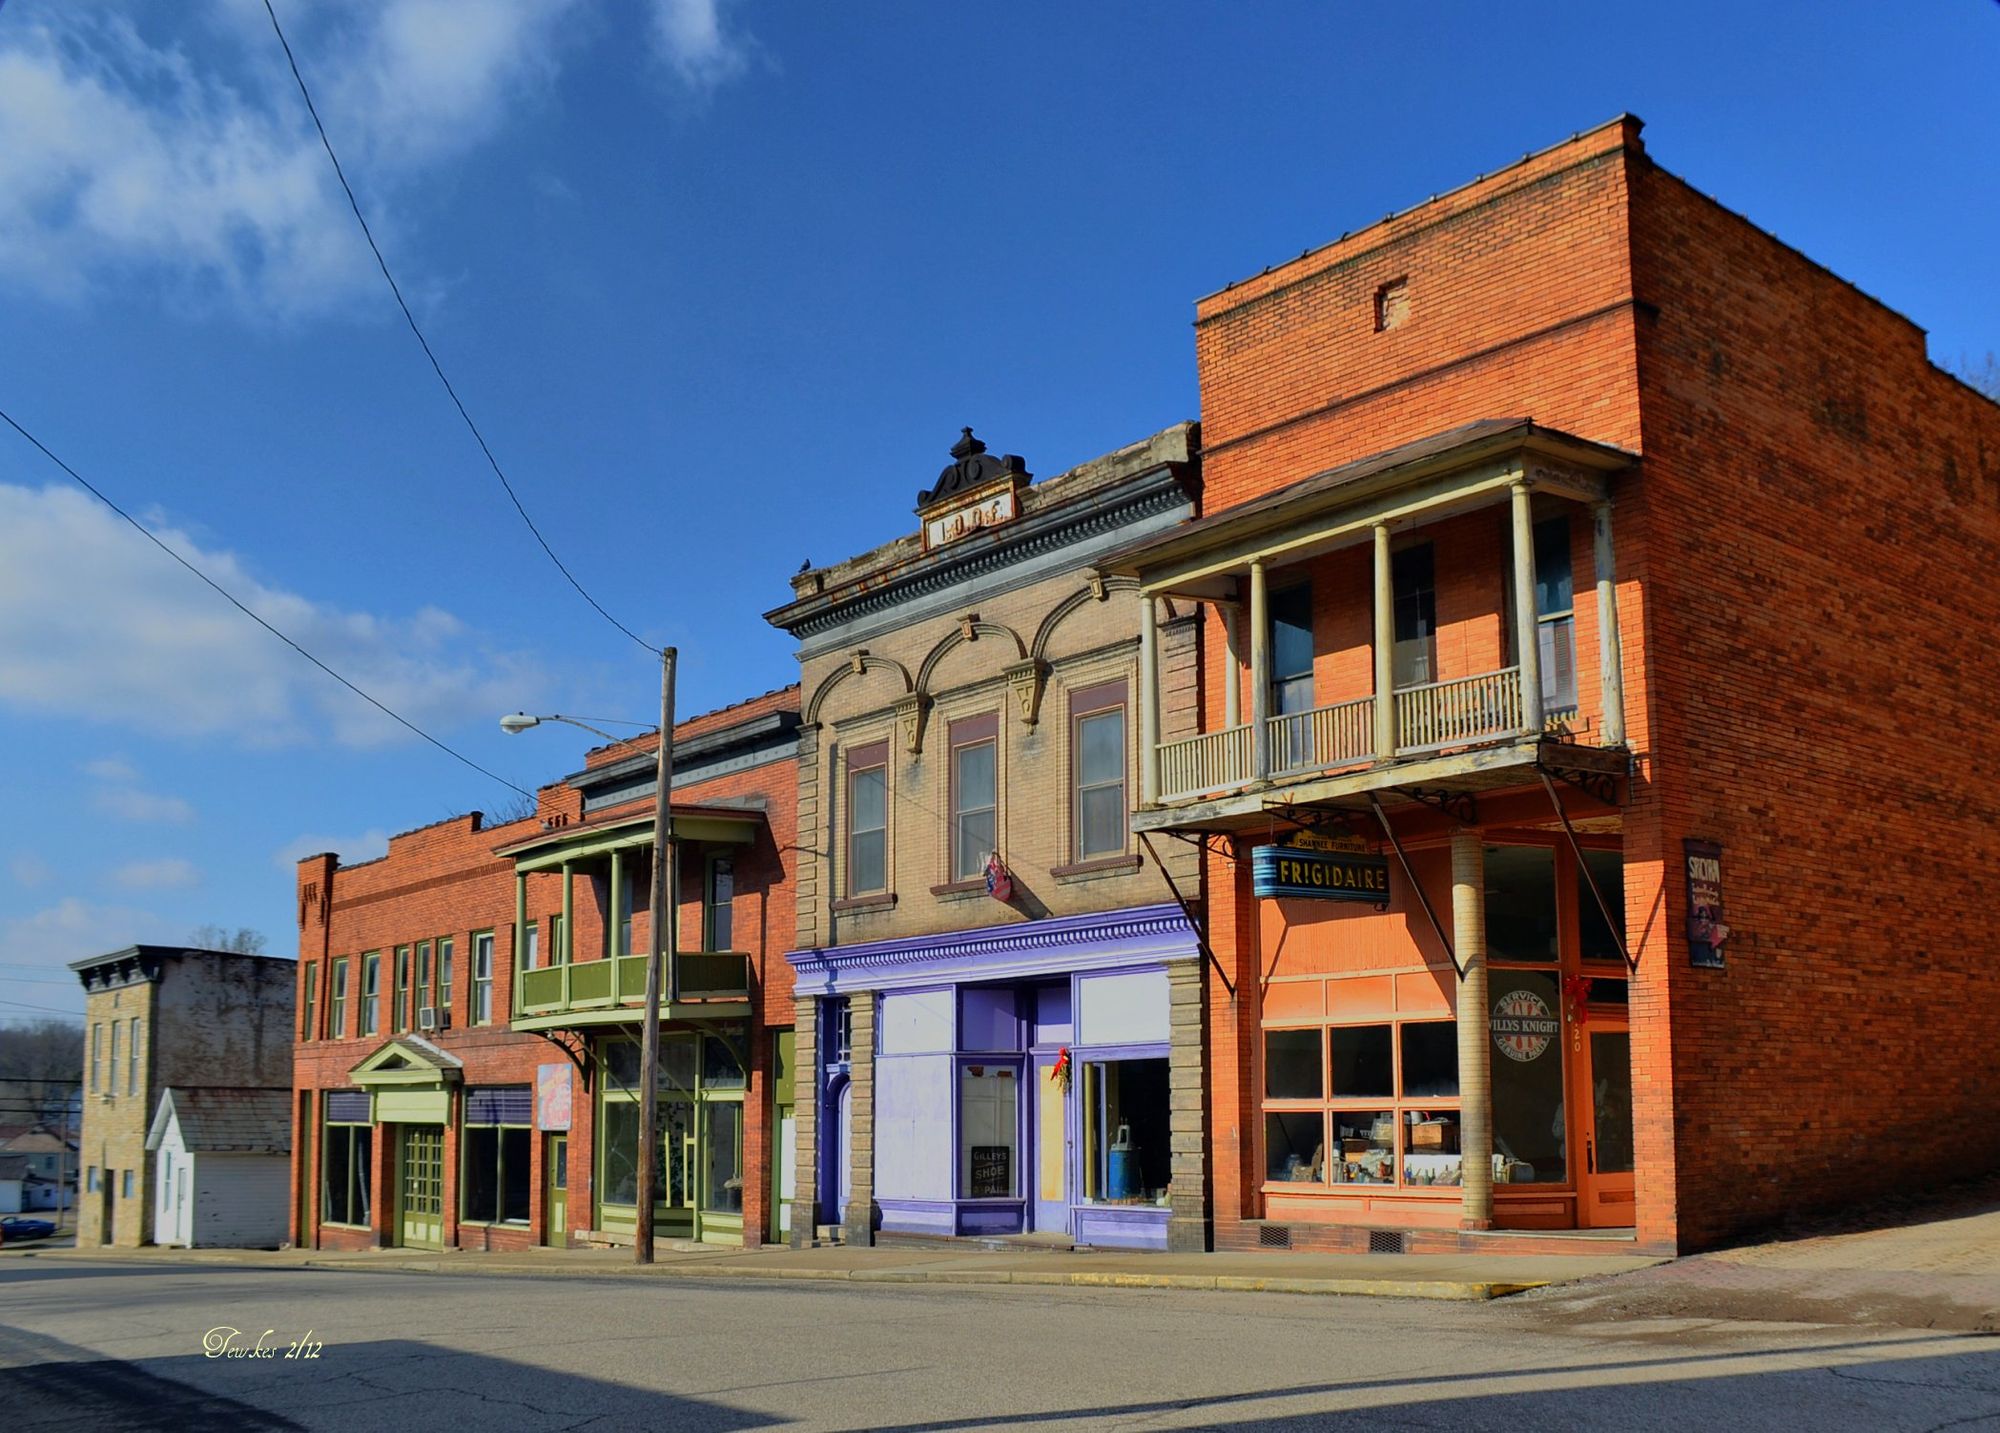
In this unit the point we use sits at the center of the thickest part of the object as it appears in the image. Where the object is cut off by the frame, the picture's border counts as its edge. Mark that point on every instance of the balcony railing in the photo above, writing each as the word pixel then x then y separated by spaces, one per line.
pixel 1213 761
pixel 1441 714
pixel 606 984
pixel 1429 718
pixel 1325 736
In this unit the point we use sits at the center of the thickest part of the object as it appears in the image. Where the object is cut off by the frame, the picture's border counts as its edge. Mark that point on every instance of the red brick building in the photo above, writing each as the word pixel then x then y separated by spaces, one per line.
pixel 469 1010
pixel 1586 580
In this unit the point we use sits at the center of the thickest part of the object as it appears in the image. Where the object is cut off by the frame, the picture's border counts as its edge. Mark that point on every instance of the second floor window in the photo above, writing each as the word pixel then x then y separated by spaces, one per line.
pixel 482 979
pixel 558 953
pixel 444 972
pixel 132 1057
pixel 974 795
pixel 96 1053
pixel 399 1011
pixel 426 993
pixel 868 820
pixel 1555 614
pixel 719 919
pixel 371 993
pixel 307 1030
pixel 531 946
pixel 336 1000
pixel 1291 651
pixel 1097 767
pixel 1413 579
pixel 111 1075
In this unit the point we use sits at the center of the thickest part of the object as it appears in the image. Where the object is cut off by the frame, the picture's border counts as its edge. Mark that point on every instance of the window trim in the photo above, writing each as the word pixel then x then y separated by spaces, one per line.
pixel 309 1016
pixel 336 999
pixel 708 902
pixel 399 1014
pixel 446 947
pixel 347 1129
pixel 482 944
pixel 966 734
pixel 1084 704
pixel 860 761
pixel 370 1020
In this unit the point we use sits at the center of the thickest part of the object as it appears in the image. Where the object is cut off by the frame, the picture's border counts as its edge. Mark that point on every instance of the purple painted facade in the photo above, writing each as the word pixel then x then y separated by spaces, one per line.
pixel 970 1025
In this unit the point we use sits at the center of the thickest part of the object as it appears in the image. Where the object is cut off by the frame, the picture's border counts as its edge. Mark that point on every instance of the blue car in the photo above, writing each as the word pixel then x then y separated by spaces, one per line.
pixel 16 1226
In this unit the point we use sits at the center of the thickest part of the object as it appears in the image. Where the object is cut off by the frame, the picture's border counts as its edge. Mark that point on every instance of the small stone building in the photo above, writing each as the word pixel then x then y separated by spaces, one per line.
pixel 221 1170
pixel 157 1017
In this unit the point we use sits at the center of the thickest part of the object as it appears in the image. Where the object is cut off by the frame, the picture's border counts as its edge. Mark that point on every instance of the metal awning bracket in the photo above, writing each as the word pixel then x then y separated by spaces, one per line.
pixel 1616 924
pixel 1415 885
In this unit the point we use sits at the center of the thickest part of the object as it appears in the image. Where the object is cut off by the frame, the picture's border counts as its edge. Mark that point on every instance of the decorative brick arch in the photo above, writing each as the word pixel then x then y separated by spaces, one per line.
pixel 854 666
pixel 969 629
pixel 1099 590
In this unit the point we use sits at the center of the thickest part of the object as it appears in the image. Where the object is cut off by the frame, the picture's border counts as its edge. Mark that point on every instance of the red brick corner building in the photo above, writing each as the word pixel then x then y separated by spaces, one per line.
pixel 469 1008
pixel 1593 776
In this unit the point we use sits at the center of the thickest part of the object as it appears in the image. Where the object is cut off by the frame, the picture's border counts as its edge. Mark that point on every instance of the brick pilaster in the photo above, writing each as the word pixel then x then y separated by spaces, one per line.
pixel 1187 1219
pixel 805 1117
pixel 859 1222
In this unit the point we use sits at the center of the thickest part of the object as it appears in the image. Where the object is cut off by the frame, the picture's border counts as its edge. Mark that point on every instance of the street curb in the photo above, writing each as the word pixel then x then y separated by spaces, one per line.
pixel 1448 1290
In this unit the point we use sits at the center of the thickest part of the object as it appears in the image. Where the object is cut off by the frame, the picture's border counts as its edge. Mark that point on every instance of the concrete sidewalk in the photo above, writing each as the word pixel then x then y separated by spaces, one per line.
pixel 1408 1276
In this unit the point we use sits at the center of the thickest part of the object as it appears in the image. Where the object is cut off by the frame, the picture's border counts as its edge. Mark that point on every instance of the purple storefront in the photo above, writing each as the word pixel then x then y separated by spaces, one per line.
pixel 1038 1078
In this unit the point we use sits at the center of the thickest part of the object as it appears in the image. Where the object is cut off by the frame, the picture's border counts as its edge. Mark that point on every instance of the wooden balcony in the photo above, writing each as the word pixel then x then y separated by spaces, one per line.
pixel 1430 718
pixel 596 992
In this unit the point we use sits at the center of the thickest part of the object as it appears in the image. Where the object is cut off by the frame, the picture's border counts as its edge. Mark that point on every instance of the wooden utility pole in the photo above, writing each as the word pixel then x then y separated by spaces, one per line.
pixel 659 954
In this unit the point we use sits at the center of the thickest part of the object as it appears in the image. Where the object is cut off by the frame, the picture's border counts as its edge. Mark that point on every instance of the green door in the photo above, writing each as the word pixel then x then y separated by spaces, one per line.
pixel 420 1187
pixel 555 1199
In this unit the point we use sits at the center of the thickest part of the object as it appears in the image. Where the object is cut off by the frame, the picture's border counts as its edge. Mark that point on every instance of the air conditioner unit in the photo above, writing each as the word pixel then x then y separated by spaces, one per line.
pixel 432 1018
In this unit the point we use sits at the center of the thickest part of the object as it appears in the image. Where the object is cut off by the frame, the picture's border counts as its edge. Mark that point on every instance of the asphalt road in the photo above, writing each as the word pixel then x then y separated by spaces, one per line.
pixel 100 1345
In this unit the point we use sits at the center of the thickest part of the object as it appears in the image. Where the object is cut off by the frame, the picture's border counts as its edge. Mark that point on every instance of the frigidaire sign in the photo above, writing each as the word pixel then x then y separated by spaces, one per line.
pixel 1319 875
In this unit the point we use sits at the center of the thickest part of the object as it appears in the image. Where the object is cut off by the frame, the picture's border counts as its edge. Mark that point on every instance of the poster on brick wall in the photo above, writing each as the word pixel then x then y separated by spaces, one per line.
pixel 552 1096
pixel 1706 931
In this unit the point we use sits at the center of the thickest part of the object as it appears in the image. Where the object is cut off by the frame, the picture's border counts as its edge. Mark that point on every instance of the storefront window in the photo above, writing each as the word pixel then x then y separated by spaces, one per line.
pixel 1367 1145
pixel 1294 1146
pixel 722 1062
pixel 1352 1137
pixel 496 1174
pixel 1595 939
pixel 1127 1134
pixel 345 1174
pixel 621 1065
pixel 1362 1062
pixel 1430 1147
pixel 1292 1068
pixel 988 1131
pixel 723 1189
pixel 620 1137
pixel 1520 903
pixel 1529 1142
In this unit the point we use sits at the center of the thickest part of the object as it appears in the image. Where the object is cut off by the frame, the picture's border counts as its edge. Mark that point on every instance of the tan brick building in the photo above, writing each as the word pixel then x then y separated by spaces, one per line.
pixel 999 1017
pixel 157 1017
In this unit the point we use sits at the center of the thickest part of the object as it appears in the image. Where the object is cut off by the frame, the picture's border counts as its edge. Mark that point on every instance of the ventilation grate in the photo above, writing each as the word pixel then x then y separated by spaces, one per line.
pixel 1385 1241
pixel 1274 1236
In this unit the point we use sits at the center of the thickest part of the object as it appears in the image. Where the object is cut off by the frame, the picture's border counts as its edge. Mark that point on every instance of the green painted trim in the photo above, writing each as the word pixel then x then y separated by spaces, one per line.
pixel 431 1106
pixel 712 830
pixel 413 1067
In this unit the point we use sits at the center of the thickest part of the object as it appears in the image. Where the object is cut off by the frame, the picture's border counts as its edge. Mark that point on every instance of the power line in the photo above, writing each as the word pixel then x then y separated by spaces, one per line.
pixel 424 343
pixel 233 601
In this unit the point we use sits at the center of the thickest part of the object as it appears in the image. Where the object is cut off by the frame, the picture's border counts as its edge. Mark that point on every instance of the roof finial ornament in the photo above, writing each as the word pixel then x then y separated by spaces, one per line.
pixel 966 446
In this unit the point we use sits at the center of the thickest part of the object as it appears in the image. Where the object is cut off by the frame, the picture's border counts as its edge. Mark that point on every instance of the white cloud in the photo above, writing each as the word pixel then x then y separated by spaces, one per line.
pixel 111 768
pixel 695 41
pixel 96 622
pixel 169 873
pixel 352 850
pixel 121 153
pixel 51 938
pixel 129 803
pixel 30 871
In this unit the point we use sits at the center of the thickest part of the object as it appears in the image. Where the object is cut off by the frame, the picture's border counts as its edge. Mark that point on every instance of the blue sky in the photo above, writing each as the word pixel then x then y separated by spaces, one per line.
pixel 721 286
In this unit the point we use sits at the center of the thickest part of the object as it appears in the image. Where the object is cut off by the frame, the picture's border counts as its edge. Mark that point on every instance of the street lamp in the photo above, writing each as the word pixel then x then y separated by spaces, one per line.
pixel 660 949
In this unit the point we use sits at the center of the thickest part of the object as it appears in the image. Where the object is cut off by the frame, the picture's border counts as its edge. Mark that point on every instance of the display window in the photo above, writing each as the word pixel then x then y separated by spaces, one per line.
pixel 989 1130
pixel 1127 1134
pixel 1367 1103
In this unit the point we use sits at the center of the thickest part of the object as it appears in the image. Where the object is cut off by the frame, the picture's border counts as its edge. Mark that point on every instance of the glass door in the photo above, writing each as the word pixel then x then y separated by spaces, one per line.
pixel 420 1187
pixel 1605 1183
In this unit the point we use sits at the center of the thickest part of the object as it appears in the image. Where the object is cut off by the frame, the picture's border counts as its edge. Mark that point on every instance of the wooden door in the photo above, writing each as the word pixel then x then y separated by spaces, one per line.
pixel 555 1198
pixel 1605 1184
pixel 420 1187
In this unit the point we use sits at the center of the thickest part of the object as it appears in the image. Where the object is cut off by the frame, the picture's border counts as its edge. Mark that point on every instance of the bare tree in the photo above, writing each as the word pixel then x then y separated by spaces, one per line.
pixel 41 1065
pixel 1983 376
pixel 243 940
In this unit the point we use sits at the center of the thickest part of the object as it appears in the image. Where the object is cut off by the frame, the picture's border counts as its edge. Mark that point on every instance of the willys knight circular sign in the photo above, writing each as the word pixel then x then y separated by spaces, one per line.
pixel 1523 1025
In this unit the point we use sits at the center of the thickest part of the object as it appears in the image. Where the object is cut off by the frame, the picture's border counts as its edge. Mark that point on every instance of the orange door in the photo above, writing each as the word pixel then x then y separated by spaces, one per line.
pixel 1604 1103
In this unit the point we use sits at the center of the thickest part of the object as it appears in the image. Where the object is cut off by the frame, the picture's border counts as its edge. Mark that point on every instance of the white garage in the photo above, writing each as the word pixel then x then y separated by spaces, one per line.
pixel 222 1166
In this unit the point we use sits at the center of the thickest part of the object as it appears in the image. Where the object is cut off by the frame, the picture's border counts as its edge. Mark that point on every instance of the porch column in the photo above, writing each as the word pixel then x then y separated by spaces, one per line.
pixel 1527 637
pixel 1260 673
pixel 1475 1070
pixel 858 1219
pixel 1610 659
pixel 1149 698
pixel 568 930
pixel 614 942
pixel 520 928
pixel 1385 648
pixel 805 1118
pixel 1232 665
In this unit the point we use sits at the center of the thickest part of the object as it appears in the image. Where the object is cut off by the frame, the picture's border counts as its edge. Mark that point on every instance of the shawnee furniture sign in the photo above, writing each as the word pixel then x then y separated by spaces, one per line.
pixel 1319 875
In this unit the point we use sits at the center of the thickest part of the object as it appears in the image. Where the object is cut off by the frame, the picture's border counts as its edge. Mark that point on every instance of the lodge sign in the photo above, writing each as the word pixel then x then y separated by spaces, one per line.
pixel 1319 875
